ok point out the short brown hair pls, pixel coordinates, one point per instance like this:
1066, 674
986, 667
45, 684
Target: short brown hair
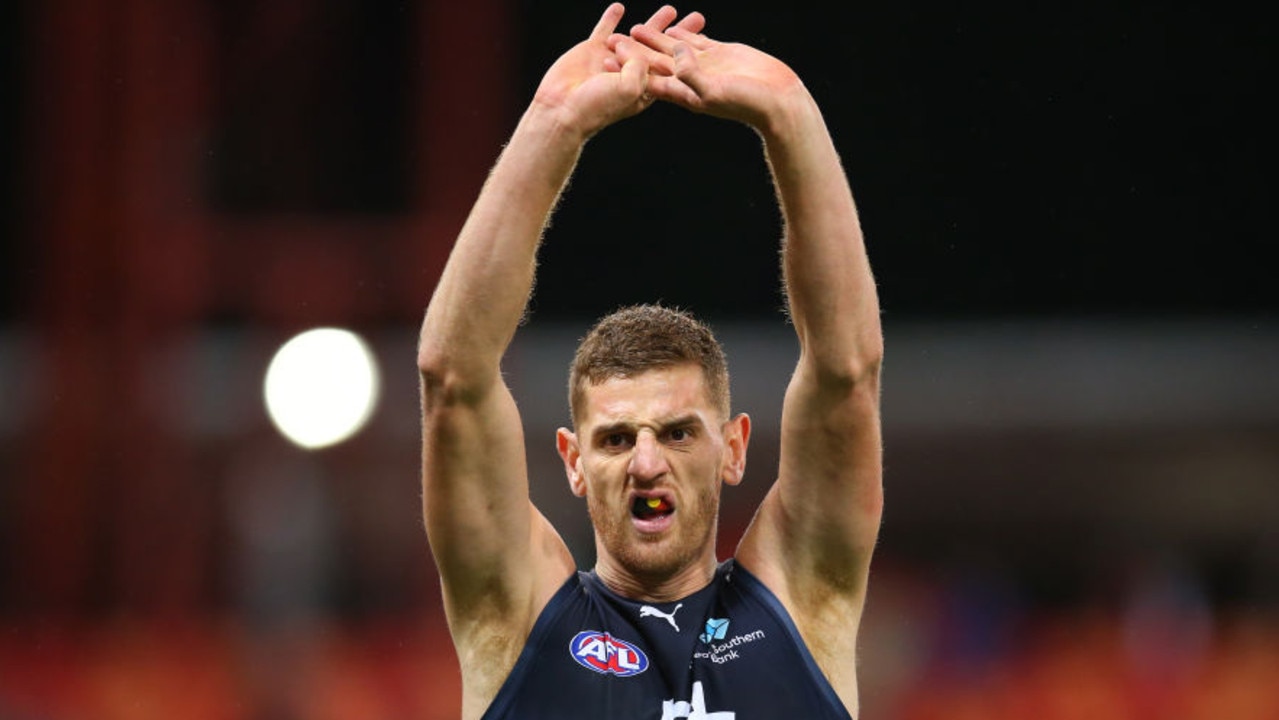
638, 338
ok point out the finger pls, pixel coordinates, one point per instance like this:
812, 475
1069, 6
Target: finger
608, 21
662, 18
631, 54
673, 90
687, 70
693, 22
695, 40
658, 61
634, 71
661, 42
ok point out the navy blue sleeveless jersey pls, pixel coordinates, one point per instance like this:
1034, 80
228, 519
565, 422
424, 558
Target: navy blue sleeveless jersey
727, 652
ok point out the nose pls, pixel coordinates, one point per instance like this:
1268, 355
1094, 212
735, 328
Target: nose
648, 462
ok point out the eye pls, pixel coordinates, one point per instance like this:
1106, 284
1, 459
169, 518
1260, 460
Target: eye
679, 435
615, 441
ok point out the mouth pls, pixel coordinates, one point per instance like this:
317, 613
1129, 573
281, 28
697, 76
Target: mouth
652, 513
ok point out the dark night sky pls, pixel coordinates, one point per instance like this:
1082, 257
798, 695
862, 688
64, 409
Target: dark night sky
1090, 158
1096, 159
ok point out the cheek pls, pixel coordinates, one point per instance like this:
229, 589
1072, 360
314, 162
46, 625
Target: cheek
708, 464
709, 496
596, 477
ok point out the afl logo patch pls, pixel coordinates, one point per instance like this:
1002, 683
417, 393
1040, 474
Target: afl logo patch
607, 655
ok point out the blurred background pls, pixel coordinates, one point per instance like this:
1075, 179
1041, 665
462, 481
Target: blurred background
1067, 207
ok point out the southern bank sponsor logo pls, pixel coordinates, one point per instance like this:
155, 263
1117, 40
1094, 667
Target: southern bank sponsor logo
607, 655
716, 629
719, 647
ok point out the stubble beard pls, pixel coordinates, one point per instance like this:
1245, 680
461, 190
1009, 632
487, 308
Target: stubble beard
657, 558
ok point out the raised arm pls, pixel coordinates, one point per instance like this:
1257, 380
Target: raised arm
498, 557
812, 539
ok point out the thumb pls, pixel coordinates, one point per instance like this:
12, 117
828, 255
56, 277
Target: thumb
686, 68
635, 72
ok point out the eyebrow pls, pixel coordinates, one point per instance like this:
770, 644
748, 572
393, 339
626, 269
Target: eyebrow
662, 426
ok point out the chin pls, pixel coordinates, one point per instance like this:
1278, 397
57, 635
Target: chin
657, 556
651, 556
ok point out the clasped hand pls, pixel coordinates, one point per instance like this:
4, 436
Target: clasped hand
611, 76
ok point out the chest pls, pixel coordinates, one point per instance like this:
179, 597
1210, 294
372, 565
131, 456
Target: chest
717, 655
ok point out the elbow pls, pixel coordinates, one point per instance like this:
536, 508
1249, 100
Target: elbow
445, 380
432, 361
865, 366
434, 376
851, 370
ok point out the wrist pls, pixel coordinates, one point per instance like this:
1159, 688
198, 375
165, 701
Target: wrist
552, 120
794, 114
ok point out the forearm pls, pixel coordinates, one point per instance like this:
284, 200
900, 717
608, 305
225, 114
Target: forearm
831, 293
486, 282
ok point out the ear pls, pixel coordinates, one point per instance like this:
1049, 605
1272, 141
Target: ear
737, 435
571, 454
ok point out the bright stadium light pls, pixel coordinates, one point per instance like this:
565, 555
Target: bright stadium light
321, 387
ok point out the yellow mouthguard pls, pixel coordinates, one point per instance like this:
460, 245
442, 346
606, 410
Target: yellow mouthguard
653, 502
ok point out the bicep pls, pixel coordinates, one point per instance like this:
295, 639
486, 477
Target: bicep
832, 453
827, 502
488, 540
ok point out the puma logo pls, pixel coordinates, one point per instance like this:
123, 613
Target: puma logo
650, 611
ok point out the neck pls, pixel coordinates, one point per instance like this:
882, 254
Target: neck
657, 587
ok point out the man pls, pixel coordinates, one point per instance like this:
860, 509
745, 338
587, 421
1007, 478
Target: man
658, 629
